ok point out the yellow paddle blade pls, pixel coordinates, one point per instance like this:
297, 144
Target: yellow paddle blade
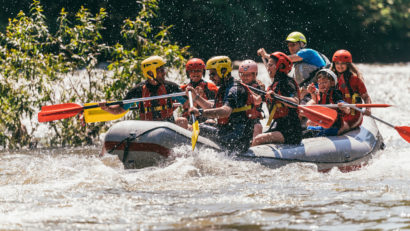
99, 115
195, 134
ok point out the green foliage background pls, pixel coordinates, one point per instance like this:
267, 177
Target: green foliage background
38, 67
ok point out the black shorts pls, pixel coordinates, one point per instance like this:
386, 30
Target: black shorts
255, 121
292, 134
235, 138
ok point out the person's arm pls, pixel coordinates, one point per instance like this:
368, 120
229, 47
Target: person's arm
270, 94
338, 98
289, 93
291, 99
295, 58
361, 88
213, 113
366, 98
203, 103
135, 92
261, 52
312, 90
113, 109
345, 110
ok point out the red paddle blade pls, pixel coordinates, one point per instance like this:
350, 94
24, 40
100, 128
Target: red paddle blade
374, 105
58, 112
323, 116
404, 132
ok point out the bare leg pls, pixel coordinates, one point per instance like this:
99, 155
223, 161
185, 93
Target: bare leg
344, 128
257, 129
269, 138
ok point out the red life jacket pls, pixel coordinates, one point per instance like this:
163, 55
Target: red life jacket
328, 99
279, 109
165, 105
256, 111
207, 88
248, 106
348, 95
325, 98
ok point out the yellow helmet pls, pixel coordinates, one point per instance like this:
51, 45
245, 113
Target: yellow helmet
218, 63
296, 37
151, 64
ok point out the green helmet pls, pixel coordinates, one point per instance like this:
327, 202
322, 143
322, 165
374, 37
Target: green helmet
296, 37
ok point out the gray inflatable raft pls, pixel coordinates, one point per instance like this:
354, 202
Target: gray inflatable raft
141, 144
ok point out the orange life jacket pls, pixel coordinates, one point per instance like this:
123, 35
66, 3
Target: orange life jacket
256, 111
248, 106
348, 95
207, 87
165, 105
325, 98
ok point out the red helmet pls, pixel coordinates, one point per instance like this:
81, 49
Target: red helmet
342, 56
282, 59
195, 64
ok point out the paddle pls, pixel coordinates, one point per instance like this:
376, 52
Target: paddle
67, 110
404, 131
195, 124
380, 105
323, 116
97, 114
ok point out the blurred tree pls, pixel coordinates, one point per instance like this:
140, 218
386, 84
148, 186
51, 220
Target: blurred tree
374, 30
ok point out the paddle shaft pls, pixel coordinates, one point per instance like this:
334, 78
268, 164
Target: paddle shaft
355, 105
128, 101
191, 104
274, 96
374, 117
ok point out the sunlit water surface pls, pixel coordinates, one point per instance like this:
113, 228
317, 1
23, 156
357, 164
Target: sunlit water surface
74, 189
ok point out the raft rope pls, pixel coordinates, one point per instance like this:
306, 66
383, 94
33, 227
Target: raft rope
128, 139
133, 136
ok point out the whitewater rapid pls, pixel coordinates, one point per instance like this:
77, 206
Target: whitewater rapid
74, 189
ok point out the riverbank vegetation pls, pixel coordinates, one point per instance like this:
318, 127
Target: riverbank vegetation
39, 67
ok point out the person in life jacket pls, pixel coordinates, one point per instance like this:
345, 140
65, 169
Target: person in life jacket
195, 70
153, 70
248, 70
288, 129
327, 94
234, 128
306, 62
351, 84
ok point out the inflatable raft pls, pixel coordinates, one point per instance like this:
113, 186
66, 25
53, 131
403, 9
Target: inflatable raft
141, 144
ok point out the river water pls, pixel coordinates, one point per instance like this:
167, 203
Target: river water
74, 189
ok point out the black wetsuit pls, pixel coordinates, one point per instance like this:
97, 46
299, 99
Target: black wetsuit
236, 134
288, 125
